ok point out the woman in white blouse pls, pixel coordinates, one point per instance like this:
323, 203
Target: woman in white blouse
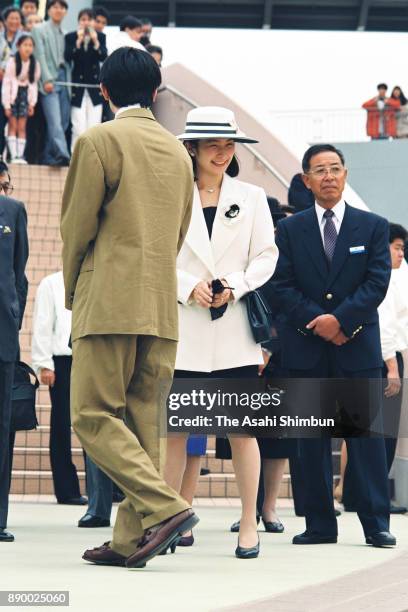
230, 238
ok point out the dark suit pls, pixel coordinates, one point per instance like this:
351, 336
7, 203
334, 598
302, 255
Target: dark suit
13, 295
85, 67
304, 286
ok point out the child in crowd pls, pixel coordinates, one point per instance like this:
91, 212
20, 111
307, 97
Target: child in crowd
19, 95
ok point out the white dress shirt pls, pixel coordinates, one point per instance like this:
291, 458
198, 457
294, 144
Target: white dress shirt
122, 109
393, 313
51, 323
338, 210
122, 39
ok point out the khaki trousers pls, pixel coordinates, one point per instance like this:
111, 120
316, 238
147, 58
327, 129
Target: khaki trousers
117, 377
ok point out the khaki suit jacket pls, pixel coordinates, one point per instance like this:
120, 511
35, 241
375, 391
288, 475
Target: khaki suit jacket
126, 209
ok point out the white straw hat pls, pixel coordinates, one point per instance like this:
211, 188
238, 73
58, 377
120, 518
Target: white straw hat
212, 122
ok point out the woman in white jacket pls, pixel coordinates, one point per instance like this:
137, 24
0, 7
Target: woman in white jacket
231, 238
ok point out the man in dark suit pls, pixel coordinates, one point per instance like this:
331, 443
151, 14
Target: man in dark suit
13, 295
85, 49
333, 272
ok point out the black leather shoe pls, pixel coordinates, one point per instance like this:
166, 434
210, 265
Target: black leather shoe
398, 509
74, 501
381, 539
247, 553
273, 526
313, 538
93, 521
235, 526
6, 536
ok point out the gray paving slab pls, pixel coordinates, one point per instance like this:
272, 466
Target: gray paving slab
47, 556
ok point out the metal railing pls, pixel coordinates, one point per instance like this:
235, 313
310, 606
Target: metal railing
320, 125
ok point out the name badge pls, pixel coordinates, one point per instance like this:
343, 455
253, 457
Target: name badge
357, 249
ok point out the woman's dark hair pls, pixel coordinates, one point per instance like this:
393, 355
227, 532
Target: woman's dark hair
17, 57
315, 150
130, 23
401, 97
51, 3
397, 232
100, 10
131, 76
86, 11
11, 9
145, 21
232, 170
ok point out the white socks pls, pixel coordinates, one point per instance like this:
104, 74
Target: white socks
16, 147
21, 144
12, 145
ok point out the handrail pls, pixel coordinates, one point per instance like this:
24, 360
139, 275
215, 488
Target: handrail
254, 152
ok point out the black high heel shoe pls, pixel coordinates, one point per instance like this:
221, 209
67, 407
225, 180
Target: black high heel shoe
247, 553
235, 526
273, 526
186, 540
172, 548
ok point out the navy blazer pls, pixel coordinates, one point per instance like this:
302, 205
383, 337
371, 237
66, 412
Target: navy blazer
351, 288
85, 67
13, 282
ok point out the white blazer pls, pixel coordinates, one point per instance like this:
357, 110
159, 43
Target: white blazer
243, 251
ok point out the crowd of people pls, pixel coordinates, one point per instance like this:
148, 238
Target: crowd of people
387, 116
175, 260
49, 79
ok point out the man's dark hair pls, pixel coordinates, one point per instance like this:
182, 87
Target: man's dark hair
131, 76
51, 3
130, 23
145, 21
11, 9
4, 168
100, 10
86, 11
23, 2
315, 150
397, 232
382, 86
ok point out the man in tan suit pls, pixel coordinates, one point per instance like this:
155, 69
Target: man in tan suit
125, 212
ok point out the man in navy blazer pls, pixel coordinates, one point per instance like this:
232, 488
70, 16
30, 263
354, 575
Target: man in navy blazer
13, 295
333, 272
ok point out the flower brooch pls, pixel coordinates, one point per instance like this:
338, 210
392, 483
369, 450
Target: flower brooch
231, 212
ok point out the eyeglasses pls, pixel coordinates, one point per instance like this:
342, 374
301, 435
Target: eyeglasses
333, 170
7, 188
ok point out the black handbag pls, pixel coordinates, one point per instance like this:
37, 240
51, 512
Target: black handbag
23, 415
260, 316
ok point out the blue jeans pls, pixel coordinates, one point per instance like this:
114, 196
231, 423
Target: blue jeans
99, 490
57, 110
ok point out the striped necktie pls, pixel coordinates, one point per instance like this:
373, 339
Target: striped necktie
329, 235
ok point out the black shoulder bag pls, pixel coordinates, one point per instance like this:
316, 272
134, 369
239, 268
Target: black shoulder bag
23, 415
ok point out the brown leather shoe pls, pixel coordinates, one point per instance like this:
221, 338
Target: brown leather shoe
104, 555
162, 536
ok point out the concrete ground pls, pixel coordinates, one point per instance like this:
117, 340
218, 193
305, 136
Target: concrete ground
46, 555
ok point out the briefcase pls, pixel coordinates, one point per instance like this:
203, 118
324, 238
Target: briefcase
23, 415
260, 316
